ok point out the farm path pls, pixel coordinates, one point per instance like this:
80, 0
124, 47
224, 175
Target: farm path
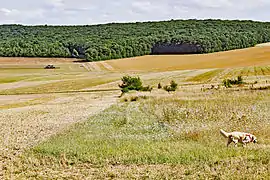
22, 128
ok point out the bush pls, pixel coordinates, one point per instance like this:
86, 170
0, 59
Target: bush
133, 83
229, 82
159, 86
130, 83
171, 87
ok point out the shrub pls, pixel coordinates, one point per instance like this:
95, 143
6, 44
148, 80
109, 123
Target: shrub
159, 86
239, 80
133, 83
171, 87
229, 82
130, 83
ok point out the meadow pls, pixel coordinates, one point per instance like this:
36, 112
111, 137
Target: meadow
159, 137
70, 123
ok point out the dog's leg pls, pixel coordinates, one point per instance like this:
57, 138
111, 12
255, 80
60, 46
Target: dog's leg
229, 142
235, 142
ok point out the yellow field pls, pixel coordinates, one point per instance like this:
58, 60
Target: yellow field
71, 123
256, 56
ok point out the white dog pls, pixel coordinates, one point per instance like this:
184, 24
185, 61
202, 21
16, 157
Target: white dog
240, 137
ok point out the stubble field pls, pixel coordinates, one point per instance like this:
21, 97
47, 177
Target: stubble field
70, 123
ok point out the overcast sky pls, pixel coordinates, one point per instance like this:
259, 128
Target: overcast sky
102, 11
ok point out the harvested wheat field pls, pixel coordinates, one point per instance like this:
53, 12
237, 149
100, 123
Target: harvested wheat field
29, 61
236, 58
70, 123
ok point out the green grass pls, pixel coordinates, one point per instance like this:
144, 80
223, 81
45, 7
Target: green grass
166, 132
249, 71
205, 77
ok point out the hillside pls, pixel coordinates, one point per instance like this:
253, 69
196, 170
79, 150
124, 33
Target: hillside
114, 41
255, 56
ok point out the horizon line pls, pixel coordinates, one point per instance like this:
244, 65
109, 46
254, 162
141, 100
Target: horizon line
132, 22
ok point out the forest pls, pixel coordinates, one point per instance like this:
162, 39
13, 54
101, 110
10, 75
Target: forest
122, 40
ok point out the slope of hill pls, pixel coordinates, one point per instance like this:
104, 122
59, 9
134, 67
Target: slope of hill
114, 41
256, 56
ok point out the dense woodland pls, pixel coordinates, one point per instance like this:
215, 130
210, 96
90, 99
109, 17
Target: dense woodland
112, 41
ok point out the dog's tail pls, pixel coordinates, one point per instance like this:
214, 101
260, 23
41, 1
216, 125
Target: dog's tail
224, 133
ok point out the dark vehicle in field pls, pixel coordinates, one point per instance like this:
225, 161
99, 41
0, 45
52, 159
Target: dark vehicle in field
50, 66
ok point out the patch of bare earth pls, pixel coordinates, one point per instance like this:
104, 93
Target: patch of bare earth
22, 128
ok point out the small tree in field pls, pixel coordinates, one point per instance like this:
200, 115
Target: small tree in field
130, 83
171, 87
133, 83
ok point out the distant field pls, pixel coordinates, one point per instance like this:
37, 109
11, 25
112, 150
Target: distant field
257, 56
25, 60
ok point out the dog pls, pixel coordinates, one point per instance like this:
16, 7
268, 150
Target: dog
238, 137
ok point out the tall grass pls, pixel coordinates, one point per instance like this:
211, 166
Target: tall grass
167, 132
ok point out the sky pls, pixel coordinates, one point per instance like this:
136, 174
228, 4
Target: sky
79, 12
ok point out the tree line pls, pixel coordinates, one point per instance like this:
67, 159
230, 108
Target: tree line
122, 40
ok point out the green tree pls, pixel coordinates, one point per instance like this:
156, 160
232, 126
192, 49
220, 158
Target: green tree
130, 83
172, 87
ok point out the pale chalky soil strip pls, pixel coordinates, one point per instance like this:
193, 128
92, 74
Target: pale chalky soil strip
21, 128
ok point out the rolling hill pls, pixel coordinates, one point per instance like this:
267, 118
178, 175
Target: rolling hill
256, 56
118, 40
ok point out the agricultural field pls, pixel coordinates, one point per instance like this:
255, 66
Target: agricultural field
71, 123
256, 56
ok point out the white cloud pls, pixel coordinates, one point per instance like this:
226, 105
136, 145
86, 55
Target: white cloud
102, 11
9, 12
56, 3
